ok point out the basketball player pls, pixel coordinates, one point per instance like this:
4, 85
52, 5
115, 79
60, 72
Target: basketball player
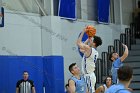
103, 88
77, 82
89, 58
117, 62
25, 85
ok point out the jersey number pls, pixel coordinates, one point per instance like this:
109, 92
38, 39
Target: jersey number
95, 58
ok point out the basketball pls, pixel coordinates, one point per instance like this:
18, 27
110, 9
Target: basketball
90, 31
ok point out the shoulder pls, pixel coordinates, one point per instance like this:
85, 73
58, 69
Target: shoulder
75, 79
20, 81
94, 50
124, 91
72, 79
101, 87
118, 60
110, 89
117, 89
71, 82
31, 81
104, 85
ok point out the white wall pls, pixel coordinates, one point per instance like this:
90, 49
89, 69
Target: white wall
123, 11
51, 31
127, 9
29, 6
117, 11
21, 34
88, 10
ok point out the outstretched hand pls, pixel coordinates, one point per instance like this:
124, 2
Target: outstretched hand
124, 45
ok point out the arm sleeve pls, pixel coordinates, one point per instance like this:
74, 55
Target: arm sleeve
32, 83
17, 85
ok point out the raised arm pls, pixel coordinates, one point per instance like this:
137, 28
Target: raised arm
86, 42
125, 54
83, 47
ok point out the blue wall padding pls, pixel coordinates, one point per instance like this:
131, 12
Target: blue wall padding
54, 74
11, 70
67, 8
103, 11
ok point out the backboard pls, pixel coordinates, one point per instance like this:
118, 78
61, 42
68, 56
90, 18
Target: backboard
1, 17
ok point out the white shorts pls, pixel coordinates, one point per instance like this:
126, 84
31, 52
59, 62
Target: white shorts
90, 80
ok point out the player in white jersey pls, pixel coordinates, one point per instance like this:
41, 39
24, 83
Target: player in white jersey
89, 58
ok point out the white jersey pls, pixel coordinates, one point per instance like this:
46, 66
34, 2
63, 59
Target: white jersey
105, 87
88, 63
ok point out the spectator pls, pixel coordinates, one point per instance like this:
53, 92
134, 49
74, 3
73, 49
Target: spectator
103, 88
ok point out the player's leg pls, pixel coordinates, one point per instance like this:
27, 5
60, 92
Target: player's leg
93, 81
